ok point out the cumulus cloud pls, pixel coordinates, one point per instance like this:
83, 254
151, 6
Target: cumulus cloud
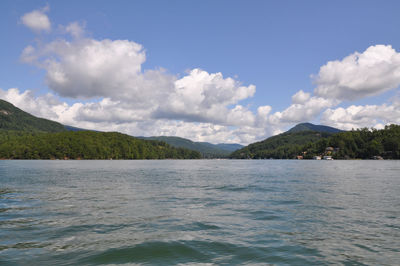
88, 68
359, 75
37, 20
47, 106
122, 96
107, 115
300, 97
301, 110
202, 96
131, 97
362, 116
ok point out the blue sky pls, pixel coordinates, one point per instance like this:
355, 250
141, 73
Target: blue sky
274, 45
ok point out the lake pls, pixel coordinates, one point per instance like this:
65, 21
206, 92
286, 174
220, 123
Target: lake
202, 212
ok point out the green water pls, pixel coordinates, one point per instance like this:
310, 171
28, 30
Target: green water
200, 212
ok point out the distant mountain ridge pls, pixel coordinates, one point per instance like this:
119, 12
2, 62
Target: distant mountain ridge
208, 150
311, 127
229, 146
286, 145
71, 128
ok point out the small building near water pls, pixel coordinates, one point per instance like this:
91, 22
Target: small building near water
328, 157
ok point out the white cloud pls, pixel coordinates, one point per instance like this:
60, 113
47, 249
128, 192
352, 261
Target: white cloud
121, 96
208, 89
37, 20
359, 75
300, 97
240, 116
262, 116
107, 115
75, 29
202, 106
204, 97
90, 68
29, 54
110, 111
87, 68
301, 112
362, 116
41, 106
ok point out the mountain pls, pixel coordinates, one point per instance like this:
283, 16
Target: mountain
228, 147
13, 118
24, 136
208, 150
286, 145
312, 127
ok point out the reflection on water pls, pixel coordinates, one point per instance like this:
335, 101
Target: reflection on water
217, 212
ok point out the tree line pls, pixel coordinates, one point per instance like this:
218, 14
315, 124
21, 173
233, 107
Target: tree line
359, 144
85, 145
283, 146
355, 144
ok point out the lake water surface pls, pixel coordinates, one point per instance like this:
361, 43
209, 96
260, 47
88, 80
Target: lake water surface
206, 212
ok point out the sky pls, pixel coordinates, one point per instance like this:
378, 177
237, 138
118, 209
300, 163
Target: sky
216, 71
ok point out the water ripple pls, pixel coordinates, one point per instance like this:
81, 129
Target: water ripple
199, 212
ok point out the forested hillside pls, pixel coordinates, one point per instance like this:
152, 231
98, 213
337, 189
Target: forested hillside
359, 144
85, 145
24, 136
283, 146
13, 118
356, 144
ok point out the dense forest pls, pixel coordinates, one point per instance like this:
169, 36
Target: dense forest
85, 145
356, 144
359, 144
24, 136
283, 146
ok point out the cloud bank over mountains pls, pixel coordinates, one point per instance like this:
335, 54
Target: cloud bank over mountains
112, 92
